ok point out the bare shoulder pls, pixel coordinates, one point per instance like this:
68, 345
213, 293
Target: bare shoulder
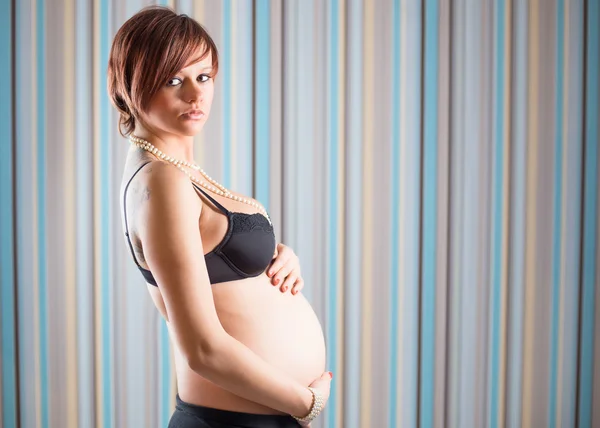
160, 173
165, 187
150, 183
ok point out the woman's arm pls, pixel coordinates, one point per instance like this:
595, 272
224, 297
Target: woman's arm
233, 366
173, 251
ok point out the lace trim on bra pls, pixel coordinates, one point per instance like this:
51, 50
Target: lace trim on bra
243, 222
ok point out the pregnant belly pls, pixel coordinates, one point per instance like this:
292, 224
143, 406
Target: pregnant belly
281, 328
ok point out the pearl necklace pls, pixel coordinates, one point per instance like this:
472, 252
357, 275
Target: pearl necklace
219, 189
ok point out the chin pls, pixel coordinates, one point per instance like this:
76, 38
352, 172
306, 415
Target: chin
190, 131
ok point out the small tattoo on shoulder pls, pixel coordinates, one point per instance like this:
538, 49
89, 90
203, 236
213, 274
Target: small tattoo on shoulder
146, 193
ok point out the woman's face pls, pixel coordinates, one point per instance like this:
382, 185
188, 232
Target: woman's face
191, 88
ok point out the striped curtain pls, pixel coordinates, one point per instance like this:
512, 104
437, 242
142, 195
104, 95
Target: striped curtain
434, 164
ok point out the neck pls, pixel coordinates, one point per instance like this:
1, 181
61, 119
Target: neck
178, 147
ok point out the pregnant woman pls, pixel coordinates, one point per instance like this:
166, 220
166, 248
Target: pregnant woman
248, 353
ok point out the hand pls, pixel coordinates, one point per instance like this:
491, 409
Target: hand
285, 267
323, 385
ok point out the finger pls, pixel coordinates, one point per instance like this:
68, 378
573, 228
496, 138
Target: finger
280, 261
288, 283
283, 273
298, 285
285, 270
279, 248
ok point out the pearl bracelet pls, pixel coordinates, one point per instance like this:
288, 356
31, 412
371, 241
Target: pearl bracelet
317, 407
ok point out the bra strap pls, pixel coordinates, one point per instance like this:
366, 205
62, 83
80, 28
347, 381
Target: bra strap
221, 207
125, 213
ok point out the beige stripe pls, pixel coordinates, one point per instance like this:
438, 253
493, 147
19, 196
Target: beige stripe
504, 277
69, 220
564, 236
275, 102
442, 218
35, 218
403, 162
341, 81
367, 268
232, 105
531, 214
97, 218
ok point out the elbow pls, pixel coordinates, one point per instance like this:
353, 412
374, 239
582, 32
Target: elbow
207, 353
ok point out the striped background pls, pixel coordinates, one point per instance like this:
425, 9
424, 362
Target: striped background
433, 163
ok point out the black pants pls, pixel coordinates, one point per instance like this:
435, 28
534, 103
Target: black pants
188, 415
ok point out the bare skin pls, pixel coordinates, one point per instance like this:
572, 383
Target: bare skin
280, 329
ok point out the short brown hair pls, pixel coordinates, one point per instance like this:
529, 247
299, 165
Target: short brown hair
158, 40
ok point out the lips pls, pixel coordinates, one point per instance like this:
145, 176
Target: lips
193, 114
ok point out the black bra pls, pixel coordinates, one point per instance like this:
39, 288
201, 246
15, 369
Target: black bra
246, 250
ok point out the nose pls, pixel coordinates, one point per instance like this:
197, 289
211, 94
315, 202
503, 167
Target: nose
194, 93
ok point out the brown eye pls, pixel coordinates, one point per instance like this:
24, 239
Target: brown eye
170, 80
177, 78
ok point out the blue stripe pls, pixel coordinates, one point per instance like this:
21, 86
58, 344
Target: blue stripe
7, 274
262, 107
517, 233
165, 363
24, 183
332, 78
409, 352
84, 224
590, 218
497, 221
41, 201
225, 65
429, 215
395, 217
244, 132
575, 196
353, 238
105, 211
557, 204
